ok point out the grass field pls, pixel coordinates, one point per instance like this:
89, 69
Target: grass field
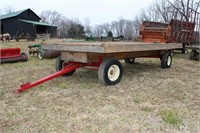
148, 98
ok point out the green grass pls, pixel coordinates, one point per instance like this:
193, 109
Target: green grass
2, 93
146, 109
63, 85
136, 100
171, 117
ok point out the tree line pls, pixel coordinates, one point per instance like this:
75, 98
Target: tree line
159, 11
66, 27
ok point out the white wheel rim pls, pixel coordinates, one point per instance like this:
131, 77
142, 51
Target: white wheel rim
131, 60
40, 56
169, 60
113, 72
64, 64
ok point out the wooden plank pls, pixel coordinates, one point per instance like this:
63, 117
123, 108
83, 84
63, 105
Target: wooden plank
75, 48
194, 47
142, 47
110, 47
94, 57
80, 57
132, 54
71, 43
76, 57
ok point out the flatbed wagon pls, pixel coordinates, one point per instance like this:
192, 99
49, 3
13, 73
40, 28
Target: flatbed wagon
104, 57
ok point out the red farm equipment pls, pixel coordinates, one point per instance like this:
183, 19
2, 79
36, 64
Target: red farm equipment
175, 31
153, 32
11, 55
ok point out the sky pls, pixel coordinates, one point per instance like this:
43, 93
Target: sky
98, 11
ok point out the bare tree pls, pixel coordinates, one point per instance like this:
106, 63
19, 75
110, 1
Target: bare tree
8, 9
186, 8
55, 18
165, 10
51, 17
76, 20
66, 27
149, 14
115, 28
98, 30
121, 25
118, 27
105, 27
136, 23
87, 25
159, 11
63, 28
129, 29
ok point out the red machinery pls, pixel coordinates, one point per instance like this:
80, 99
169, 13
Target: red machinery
69, 69
10, 55
174, 32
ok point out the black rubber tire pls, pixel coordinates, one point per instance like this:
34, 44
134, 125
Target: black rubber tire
59, 66
41, 54
129, 60
166, 60
24, 55
192, 55
103, 72
184, 49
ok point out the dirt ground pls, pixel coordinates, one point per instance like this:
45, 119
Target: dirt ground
141, 102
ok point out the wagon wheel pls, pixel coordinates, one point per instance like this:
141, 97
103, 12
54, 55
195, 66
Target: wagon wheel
129, 60
110, 72
60, 64
184, 49
24, 55
192, 55
166, 60
41, 54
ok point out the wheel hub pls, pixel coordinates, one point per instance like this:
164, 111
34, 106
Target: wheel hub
131, 60
113, 72
64, 64
168, 61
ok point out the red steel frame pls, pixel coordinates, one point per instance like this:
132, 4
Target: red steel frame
70, 67
9, 53
67, 69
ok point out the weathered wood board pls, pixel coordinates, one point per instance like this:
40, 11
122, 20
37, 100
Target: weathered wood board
194, 47
108, 47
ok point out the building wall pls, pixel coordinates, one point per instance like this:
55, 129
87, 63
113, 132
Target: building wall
28, 15
15, 27
51, 30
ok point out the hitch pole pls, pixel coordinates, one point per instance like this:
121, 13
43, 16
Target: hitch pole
66, 69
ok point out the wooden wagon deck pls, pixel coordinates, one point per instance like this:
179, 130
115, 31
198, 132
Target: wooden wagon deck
108, 47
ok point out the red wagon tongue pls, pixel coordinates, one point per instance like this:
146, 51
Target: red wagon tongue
69, 68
